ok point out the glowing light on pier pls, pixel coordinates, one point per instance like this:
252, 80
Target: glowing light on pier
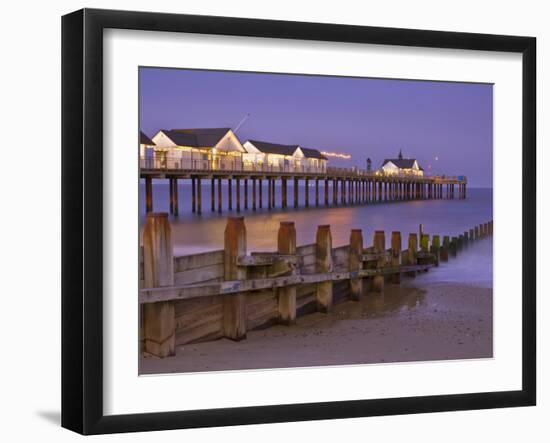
336, 155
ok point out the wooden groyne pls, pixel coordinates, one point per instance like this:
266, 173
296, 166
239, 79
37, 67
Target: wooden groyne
251, 189
226, 293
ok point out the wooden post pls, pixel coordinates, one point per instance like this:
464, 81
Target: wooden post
355, 263
148, 194
412, 252
445, 249
234, 305
220, 198
436, 245
323, 263
453, 246
286, 245
425, 243
159, 319
396, 255
420, 232
379, 244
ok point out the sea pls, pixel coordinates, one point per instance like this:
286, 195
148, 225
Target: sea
194, 233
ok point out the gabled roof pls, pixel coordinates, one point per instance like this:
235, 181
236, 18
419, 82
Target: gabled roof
312, 153
196, 138
144, 140
274, 148
402, 163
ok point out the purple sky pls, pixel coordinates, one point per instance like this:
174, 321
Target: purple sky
360, 116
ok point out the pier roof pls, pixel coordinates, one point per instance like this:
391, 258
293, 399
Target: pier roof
196, 137
274, 148
312, 153
145, 140
403, 163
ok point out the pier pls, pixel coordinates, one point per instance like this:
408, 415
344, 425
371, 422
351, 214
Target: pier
225, 293
252, 187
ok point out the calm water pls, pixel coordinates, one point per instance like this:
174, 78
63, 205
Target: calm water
198, 233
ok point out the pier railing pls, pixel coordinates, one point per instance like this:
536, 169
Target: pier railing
235, 164
225, 293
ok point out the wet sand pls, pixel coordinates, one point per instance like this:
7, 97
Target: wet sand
442, 322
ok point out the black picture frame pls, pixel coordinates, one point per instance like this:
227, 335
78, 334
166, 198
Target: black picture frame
82, 218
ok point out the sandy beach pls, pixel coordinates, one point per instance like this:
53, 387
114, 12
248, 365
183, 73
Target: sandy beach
406, 323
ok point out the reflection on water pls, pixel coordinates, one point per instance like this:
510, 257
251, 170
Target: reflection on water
193, 233
395, 299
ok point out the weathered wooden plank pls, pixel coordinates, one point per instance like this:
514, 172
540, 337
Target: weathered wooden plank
184, 307
306, 249
206, 273
152, 295
187, 262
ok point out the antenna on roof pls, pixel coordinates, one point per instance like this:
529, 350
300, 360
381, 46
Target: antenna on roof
241, 122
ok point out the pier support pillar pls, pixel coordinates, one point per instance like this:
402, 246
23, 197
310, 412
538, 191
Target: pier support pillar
283, 193
286, 245
229, 195
326, 191
213, 194
335, 192
323, 264
379, 244
148, 194
307, 192
220, 198
193, 195
253, 194
260, 194
245, 193
234, 305
269, 196
238, 193
396, 255
355, 263
199, 196
159, 319
316, 192
171, 192
295, 189
176, 198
